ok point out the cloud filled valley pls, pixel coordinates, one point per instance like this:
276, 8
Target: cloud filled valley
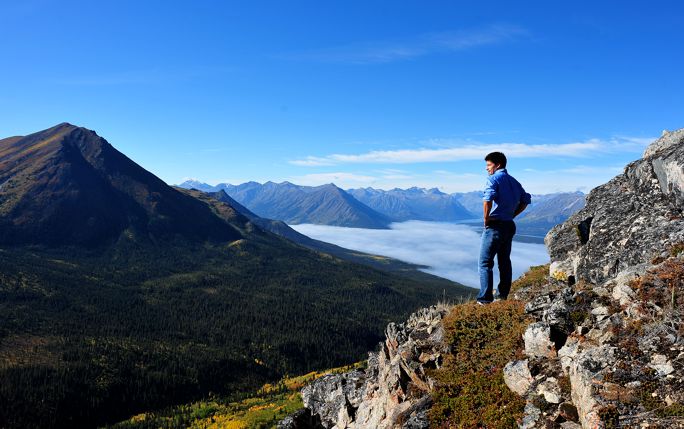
449, 250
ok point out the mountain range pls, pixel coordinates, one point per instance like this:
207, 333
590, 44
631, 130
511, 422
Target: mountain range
294, 204
413, 204
359, 207
119, 293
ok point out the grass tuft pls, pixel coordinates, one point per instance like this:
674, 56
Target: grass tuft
470, 391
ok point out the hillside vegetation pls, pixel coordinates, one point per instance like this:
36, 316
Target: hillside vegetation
120, 294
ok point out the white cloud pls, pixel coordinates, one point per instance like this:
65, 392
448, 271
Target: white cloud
426, 44
580, 178
569, 179
311, 161
389, 179
476, 151
450, 250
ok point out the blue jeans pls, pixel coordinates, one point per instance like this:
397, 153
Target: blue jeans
496, 240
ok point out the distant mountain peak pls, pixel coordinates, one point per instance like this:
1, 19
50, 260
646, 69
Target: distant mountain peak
330, 186
192, 181
62, 126
435, 191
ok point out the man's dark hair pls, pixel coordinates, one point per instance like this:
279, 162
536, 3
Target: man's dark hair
497, 158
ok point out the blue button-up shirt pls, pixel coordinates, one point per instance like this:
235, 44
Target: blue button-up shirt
506, 193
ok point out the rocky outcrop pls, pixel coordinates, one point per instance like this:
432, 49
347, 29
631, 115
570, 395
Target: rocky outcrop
607, 345
626, 222
392, 391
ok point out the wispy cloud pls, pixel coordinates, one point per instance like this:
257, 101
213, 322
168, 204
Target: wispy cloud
375, 52
579, 169
394, 174
388, 179
449, 250
578, 178
475, 151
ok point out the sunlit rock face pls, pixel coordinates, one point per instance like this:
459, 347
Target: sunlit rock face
609, 323
628, 221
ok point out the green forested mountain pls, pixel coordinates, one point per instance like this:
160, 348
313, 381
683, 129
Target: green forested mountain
120, 294
67, 185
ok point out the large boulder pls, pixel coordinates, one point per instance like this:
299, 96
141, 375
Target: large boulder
628, 221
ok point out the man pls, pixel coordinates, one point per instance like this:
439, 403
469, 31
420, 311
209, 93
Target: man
504, 199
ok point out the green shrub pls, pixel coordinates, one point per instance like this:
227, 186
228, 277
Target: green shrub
470, 391
536, 276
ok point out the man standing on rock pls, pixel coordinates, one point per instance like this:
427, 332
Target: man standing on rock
508, 199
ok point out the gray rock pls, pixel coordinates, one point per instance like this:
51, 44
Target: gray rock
300, 419
550, 390
530, 417
334, 397
557, 314
568, 353
627, 221
600, 313
393, 390
668, 139
517, 376
585, 368
623, 294
538, 342
538, 304
626, 229
661, 364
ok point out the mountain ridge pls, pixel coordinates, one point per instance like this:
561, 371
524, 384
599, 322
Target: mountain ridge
325, 204
398, 205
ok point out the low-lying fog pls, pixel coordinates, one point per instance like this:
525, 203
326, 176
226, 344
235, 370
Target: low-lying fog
450, 250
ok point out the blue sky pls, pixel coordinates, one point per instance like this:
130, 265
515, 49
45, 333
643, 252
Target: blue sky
368, 93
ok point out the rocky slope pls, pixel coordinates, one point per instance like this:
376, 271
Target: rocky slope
609, 321
393, 391
606, 344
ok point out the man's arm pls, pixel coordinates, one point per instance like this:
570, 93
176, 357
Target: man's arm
519, 209
525, 199
489, 195
487, 207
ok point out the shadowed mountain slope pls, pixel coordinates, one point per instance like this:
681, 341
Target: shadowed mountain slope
67, 185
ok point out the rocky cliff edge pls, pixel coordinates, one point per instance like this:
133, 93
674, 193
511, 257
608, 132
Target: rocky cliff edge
605, 347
